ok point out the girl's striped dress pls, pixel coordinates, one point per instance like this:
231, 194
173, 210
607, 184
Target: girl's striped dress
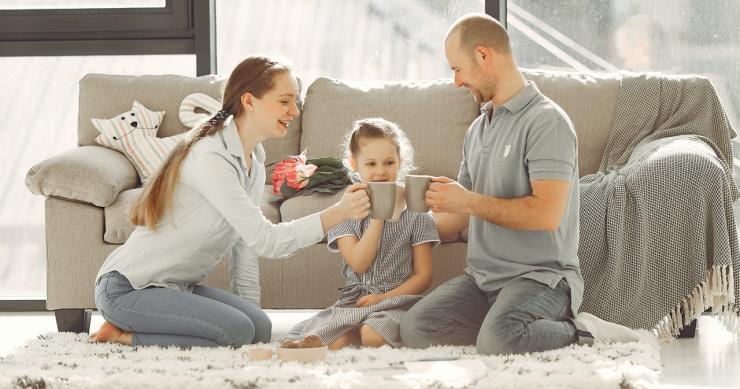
392, 266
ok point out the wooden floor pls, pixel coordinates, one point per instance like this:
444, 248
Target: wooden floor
711, 359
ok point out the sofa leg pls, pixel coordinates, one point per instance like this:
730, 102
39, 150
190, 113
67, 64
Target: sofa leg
73, 320
688, 331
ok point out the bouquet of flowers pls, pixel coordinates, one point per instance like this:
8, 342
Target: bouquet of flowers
300, 176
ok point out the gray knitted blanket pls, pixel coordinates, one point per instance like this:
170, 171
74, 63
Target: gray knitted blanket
658, 239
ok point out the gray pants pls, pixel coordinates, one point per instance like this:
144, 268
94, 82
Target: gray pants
523, 316
167, 317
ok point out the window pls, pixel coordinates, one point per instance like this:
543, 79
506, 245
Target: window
107, 29
676, 37
364, 40
38, 120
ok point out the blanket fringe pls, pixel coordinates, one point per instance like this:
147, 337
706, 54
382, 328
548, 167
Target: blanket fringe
716, 292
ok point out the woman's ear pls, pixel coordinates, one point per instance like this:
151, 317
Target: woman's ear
246, 100
353, 164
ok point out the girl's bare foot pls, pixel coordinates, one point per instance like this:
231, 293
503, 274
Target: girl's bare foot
111, 334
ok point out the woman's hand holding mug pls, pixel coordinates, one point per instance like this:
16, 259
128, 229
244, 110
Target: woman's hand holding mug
355, 203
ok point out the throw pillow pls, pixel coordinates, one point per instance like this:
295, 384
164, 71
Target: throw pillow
196, 108
90, 174
134, 133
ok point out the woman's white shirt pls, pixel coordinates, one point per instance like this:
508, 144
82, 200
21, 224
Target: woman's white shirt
215, 211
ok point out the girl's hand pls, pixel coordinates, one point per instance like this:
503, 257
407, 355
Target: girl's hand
355, 203
369, 300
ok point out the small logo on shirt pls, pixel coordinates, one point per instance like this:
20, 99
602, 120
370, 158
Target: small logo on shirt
507, 150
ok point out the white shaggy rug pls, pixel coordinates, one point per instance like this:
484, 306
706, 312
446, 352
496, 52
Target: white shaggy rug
65, 360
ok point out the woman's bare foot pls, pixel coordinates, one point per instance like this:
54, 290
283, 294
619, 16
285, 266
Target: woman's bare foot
109, 333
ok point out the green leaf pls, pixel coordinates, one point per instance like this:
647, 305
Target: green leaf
286, 190
323, 173
319, 181
326, 161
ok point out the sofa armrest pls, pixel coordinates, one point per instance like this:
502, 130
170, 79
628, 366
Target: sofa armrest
91, 174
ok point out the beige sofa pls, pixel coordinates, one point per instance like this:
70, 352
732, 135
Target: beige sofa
90, 187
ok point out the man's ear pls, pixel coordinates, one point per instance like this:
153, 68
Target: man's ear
483, 55
246, 100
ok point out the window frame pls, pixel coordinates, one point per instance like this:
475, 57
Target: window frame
497, 9
180, 27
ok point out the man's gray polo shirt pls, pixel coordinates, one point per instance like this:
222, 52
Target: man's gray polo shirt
528, 138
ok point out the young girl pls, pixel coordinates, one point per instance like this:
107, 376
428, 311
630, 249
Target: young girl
202, 203
387, 263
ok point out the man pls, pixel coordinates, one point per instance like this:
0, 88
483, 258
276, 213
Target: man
518, 191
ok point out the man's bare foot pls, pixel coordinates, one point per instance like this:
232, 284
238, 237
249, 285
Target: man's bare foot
109, 333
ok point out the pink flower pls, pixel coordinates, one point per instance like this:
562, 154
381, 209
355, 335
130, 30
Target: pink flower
291, 178
276, 185
278, 175
293, 171
303, 172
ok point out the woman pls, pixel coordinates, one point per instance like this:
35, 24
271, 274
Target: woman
200, 205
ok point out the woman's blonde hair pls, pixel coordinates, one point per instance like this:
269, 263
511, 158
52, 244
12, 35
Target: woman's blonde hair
255, 75
379, 128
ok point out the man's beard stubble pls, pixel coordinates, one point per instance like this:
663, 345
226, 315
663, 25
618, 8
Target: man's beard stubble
483, 94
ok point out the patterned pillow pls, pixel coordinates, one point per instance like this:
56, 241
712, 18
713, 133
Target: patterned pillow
134, 133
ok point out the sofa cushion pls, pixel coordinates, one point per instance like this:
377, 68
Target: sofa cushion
300, 206
117, 225
590, 101
433, 114
118, 228
91, 174
157, 92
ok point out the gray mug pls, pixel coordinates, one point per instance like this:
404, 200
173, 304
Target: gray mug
416, 188
382, 199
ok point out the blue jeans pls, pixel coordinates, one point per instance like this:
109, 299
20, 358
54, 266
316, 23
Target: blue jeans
168, 317
523, 316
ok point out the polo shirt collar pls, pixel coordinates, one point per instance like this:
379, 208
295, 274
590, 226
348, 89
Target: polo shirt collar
518, 101
234, 143
521, 99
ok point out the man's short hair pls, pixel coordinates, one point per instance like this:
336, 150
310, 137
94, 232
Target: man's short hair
480, 29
